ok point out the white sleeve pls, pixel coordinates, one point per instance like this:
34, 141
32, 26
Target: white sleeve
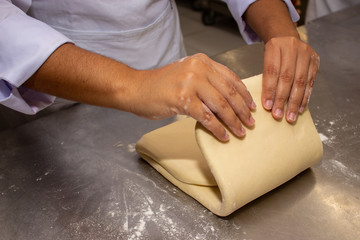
238, 8
25, 44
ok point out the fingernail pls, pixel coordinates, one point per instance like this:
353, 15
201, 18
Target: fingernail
252, 120
292, 117
240, 132
243, 132
226, 137
253, 105
268, 104
278, 113
301, 110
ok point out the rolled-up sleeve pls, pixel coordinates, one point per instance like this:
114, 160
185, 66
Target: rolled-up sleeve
25, 44
238, 8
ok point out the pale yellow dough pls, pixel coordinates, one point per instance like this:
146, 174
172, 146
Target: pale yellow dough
225, 176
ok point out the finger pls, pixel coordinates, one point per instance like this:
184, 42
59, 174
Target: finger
298, 88
236, 83
233, 98
271, 70
286, 78
227, 84
313, 69
222, 72
202, 114
222, 109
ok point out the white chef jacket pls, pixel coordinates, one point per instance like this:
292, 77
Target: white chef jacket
143, 34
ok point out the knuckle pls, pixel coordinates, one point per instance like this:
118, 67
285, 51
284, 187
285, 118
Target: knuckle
199, 59
232, 92
207, 120
223, 104
271, 70
281, 99
235, 120
189, 76
305, 101
311, 80
294, 105
268, 92
201, 55
232, 121
195, 62
294, 101
233, 78
244, 114
286, 77
301, 81
293, 108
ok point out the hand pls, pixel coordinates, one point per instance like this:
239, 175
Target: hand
199, 87
196, 86
290, 68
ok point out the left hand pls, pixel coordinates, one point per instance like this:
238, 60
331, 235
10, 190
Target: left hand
290, 68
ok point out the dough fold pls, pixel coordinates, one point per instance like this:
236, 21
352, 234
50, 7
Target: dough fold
225, 176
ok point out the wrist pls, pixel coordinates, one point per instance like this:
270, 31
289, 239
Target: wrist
270, 19
281, 34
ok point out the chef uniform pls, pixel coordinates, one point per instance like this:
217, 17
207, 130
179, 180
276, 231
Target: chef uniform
143, 34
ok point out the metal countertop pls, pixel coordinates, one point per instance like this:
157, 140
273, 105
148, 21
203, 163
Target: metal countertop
75, 174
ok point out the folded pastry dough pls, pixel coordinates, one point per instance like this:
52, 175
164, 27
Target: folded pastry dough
225, 176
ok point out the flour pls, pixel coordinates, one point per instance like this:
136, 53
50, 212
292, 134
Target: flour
186, 105
139, 209
333, 132
150, 214
182, 59
150, 201
148, 211
179, 117
118, 145
323, 137
131, 147
330, 129
344, 169
45, 174
13, 188
337, 168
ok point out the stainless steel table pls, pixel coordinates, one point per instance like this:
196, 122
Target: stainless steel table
75, 174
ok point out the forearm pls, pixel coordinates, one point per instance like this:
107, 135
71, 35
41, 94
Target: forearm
196, 86
270, 18
79, 75
290, 65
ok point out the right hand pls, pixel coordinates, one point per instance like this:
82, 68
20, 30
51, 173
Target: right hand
199, 87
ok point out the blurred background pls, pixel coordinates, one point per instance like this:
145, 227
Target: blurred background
203, 22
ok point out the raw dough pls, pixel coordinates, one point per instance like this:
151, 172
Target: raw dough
225, 176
